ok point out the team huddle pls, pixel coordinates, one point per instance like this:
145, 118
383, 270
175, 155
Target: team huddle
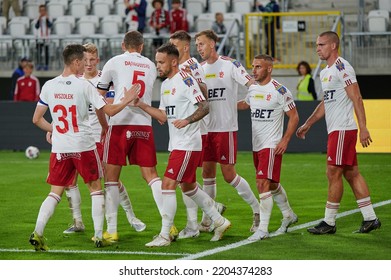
102, 120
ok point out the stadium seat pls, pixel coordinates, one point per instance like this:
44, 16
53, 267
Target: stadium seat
378, 21
55, 9
79, 8
242, 6
385, 5
100, 8
195, 8
88, 25
120, 9
111, 25
218, 6
18, 26
64, 25
204, 21
31, 8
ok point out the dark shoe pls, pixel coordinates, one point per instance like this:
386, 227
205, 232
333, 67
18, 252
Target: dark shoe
368, 226
322, 228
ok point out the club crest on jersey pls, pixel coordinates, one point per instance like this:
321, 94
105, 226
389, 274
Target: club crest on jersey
268, 97
193, 66
221, 74
173, 91
237, 63
340, 66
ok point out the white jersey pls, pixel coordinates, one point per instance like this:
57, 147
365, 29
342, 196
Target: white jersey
268, 104
93, 118
222, 79
338, 106
123, 71
198, 74
68, 99
179, 96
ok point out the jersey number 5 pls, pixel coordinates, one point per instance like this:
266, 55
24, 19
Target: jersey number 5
136, 80
62, 118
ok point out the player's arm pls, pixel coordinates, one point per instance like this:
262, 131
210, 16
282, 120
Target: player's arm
293, 121
202, 111
315, 116
39, 120
129, 96
353, 91
155, 113
242, 105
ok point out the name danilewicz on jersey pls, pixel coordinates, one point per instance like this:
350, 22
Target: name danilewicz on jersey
262, 115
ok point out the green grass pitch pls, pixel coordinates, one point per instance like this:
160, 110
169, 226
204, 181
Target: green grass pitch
23, 188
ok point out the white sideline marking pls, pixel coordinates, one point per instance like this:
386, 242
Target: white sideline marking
245, 242
97, 252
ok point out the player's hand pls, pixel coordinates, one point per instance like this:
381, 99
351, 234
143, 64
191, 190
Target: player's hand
302, 130
132, 93
281, 147
180, 123
365, 138
49, 137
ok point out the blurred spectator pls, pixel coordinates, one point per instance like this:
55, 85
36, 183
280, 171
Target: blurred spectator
136, 11
271, 23
159, 21
18, 72
27, 87
178, 17
219, 28
306, 86
7, 4
43, 27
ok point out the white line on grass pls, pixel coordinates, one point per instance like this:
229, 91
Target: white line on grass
246, 242
188, 256
98, 252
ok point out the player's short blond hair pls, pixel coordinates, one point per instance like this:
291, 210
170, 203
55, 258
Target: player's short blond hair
91, 48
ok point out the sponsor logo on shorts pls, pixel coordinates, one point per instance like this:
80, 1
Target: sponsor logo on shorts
138, 134
65, 156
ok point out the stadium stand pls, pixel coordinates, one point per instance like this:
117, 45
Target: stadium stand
88, 25
56, 9
79, 8
195, 7
222, 6
19, 26
378, 21
100, 8
242, 6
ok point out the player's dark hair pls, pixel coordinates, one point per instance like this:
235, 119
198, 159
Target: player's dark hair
169, 49
72, 52
133, 39
265, 57
181, 36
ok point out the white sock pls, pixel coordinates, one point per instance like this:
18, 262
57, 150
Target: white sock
206, 204
244, 190
366, 208
74, 201
191, 212
125, 203
111, 205
156, 187
330, 213
209, 187
98, 211
281, 199
46, 211
168, 211
265, 207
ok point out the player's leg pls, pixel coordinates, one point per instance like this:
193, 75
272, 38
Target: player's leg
167, 213
74, 201
126, 204
209, 187
281, 199
112, 199
207, 205
361, 192
191, 229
